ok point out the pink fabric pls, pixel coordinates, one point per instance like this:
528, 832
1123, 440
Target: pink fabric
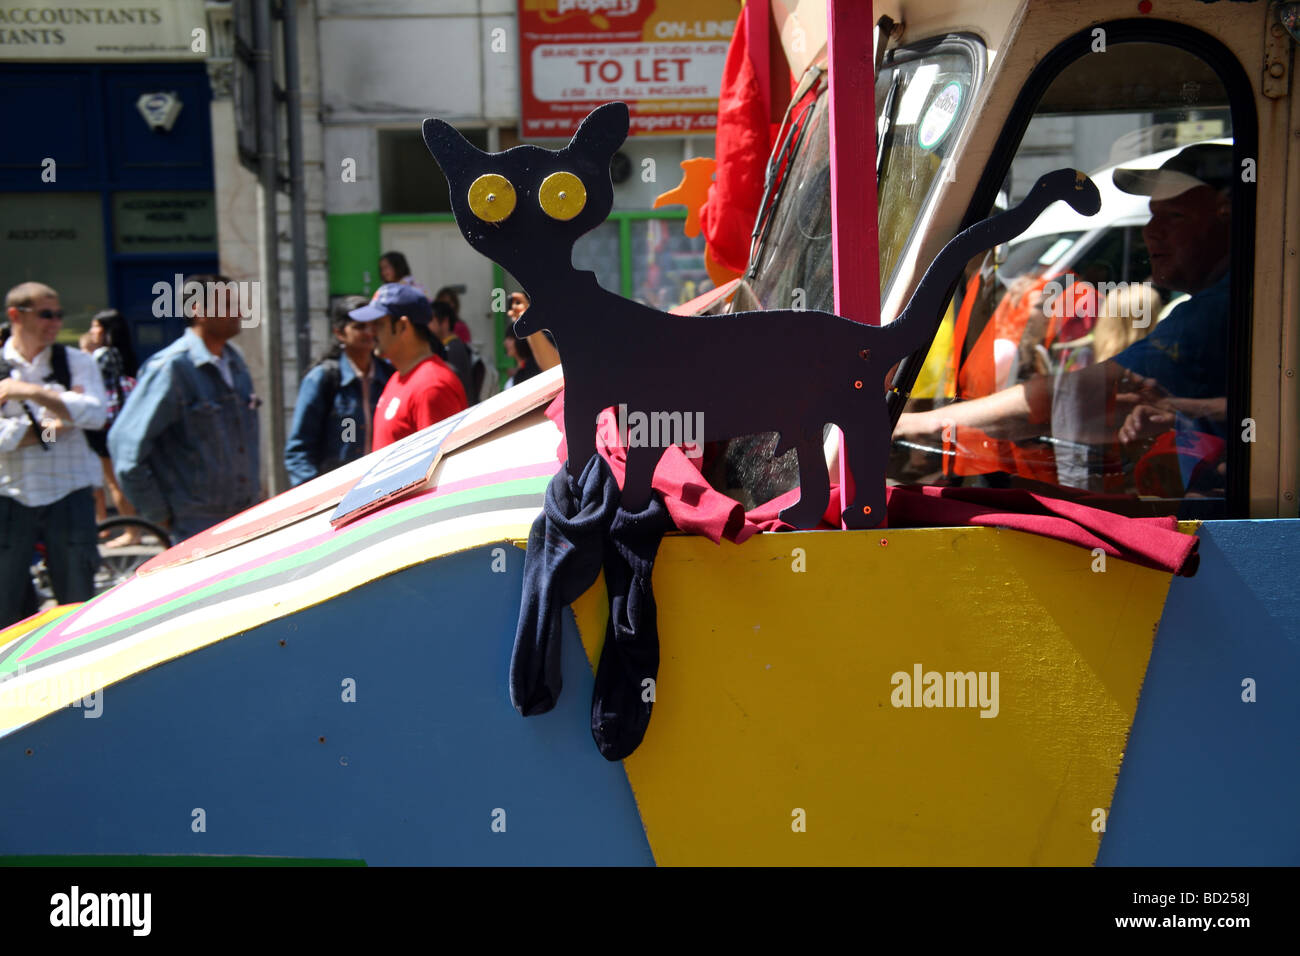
1152, 542
697, 508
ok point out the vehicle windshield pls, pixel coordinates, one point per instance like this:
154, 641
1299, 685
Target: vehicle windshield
922, 102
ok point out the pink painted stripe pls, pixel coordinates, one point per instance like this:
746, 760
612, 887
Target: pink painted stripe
227, 535
65, 629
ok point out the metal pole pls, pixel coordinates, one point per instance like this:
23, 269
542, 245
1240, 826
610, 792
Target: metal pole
297, 189
270, 252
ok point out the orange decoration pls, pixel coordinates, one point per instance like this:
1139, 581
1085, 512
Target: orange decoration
719, 273
691, 192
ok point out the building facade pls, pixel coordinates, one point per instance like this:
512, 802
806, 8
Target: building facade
121, 169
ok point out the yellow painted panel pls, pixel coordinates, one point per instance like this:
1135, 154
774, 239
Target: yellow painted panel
775, 686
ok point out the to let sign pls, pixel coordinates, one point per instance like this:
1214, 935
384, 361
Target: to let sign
664, 58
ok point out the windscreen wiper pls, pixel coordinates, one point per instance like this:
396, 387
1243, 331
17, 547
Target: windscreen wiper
788, 140
885, 126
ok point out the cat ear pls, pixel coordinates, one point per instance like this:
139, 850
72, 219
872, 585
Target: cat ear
452, 151
602, 132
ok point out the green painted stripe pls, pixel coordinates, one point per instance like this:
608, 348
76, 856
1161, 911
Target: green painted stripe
347, 538
416, 217
352, 240
172, 860
634, 214
625, 255
32, 637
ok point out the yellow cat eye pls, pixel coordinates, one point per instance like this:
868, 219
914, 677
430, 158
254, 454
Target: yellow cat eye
562, 195
491, 197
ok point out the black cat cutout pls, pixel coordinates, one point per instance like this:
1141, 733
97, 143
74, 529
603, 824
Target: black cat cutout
733, 374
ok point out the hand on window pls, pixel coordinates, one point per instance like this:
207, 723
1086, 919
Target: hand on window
916, 426
1145, 422
1135, 390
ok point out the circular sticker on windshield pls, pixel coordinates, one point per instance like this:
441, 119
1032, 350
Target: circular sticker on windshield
938, 119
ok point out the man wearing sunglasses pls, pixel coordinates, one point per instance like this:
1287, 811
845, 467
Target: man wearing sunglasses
47, 470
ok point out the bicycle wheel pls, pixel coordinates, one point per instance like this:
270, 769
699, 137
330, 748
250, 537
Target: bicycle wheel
134, 541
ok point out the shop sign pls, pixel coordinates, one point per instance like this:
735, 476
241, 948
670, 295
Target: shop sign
664, 58
103, 30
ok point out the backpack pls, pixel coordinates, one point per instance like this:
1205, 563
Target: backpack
481, 374
5, 371
331, 380
59, 373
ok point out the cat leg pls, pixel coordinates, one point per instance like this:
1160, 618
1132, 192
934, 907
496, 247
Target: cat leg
814, 487
641, 463
579, 432
867, 457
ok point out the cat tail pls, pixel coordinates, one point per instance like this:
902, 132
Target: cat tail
915, 326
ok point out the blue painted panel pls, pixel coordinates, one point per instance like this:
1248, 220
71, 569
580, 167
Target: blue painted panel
180, 158
1208, 779
408, 774
48, 114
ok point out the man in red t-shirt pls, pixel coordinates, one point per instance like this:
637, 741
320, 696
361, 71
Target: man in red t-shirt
424, 389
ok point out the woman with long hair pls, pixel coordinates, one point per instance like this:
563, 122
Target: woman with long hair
393, 267
113, 333
111, 342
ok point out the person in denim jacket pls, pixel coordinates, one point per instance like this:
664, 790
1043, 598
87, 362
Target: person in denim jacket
185, 445
333, 419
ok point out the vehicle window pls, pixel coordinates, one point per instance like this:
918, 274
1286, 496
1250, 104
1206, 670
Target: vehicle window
922, 101
796, 255
1113, 329
1027, 254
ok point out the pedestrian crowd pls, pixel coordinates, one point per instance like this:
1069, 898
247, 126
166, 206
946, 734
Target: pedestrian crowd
175, 440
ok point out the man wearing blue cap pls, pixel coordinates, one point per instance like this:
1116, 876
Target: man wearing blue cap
424, 390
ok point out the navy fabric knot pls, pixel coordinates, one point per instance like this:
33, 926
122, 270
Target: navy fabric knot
563, 559
626, 676
581, 529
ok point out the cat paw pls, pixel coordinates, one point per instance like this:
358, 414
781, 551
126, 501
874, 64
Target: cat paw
861, 517
801, 516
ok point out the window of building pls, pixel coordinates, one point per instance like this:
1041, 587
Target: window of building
58, 239
409, 179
